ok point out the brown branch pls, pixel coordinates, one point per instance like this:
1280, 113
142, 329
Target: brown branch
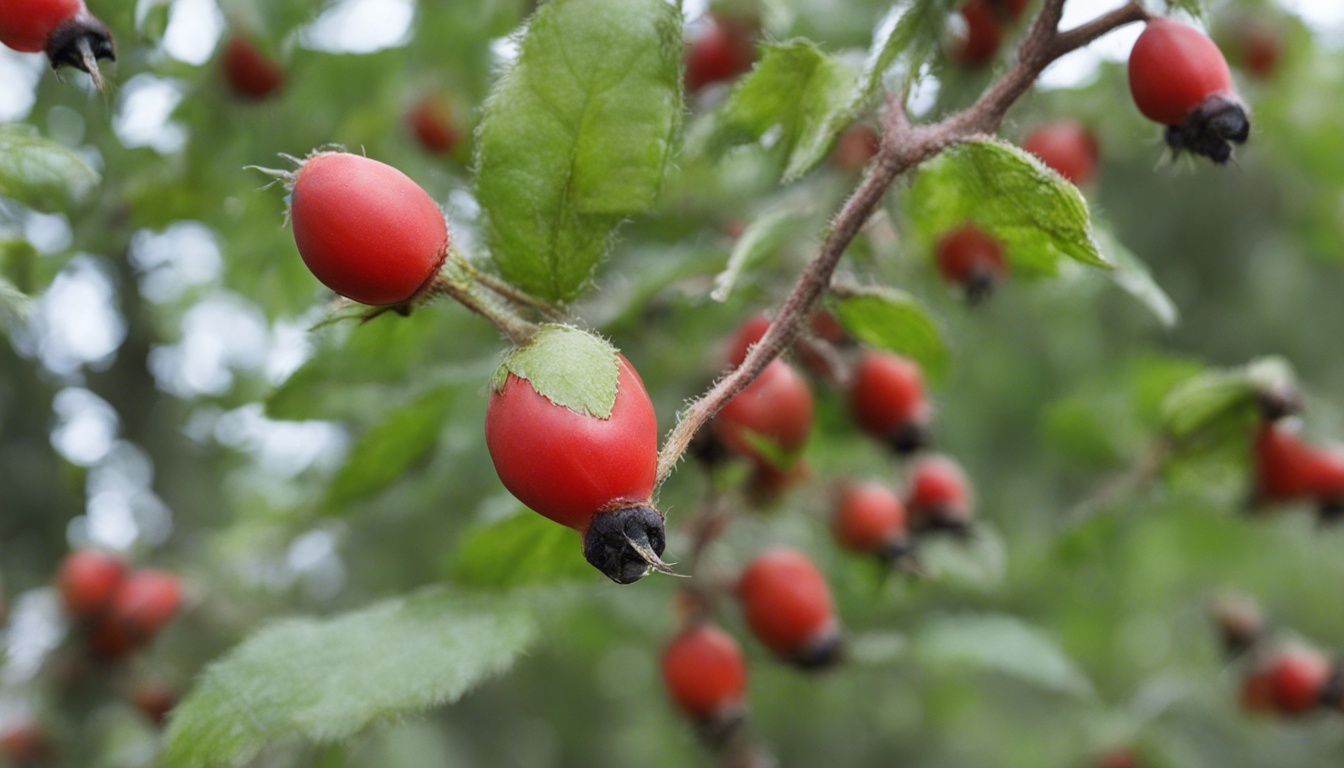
903, 147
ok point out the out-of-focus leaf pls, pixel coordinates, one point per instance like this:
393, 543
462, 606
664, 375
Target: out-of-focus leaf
761, 239
524, 548
13, 306
39, 171
895, 321
909, 34
385, 452
325, 679
577, 135
1001, 644
570, 367
799, 90
1038, 215
1132, 275
1218, 398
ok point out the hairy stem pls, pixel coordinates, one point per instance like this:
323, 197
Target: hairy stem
903, 147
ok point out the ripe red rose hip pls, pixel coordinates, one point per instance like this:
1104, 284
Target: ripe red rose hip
146, 601
1179, 78
1290, 681
744, 338
721, 52
1289, 469
788, 607
870, 519
431, 120
886, 398
595, 475
365, 229
939, 496
705, 674
856, 146
1067, 147
248, 72
979, 43
970, 258
87, 580
63, 29
775, 408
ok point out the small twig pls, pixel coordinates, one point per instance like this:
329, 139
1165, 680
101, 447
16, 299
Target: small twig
903, 147
463, 288
1132, 480
508, 291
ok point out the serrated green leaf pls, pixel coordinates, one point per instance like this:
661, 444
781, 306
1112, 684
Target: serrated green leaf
1132, 275
570, 367
576, 136
762, 238
809, 96
1004, 645
37, 171
892, 320
524, 548
1038, 215
325, 679
908, 35
384, 453
1217, 398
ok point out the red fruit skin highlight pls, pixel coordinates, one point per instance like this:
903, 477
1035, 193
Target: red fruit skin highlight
869, 518
704, 672
365, 229
25, 25
1174, 67
788, 607
569, 466
887, 394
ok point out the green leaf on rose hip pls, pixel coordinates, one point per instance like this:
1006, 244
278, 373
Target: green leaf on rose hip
1040, 217
324, 680
576, 136
1222, 400
892, 320
570, 367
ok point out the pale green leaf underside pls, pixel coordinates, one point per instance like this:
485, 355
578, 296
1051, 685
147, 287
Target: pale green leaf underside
1004, 645
889, 319
1133, 277
576, 135
1223, 396
809, 96
34, 170
762, 238
323, 680
570, 367
1038, 215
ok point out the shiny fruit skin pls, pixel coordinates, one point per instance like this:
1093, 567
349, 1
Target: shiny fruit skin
887, 394
1173, 68
786, 602
777, 407
365, 229
569, 466
25, 25
1067, 147
88, 580
1298, 677
720, 53
432, 123
984, 34
868, 518
250, 73
704, 672
147, 600
969, 257
938, 493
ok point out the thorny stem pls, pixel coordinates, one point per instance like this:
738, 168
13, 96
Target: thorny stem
1134, 479
463, 285
508, 291
903, 147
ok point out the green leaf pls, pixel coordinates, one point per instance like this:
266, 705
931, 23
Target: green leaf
577, 135
570, 367
761, 239
908, 35
1132, 275
38, 171
1222, 399
14, 306
1001, 644
325, 679
523, 548
892, 320
384, 453
1038, 215
796, 87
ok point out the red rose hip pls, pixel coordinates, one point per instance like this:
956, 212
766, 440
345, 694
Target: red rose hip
146, 601
595, 475
431, 120
886, 398
365, 229
1179, 78
968, 257
721, 52
87, 580
939, 496
870, 519
248, 72
775, 408
788, 607
63, 29
704, 673
1067, 147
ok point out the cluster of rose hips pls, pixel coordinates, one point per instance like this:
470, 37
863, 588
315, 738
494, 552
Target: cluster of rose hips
1287, 678
114, 609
